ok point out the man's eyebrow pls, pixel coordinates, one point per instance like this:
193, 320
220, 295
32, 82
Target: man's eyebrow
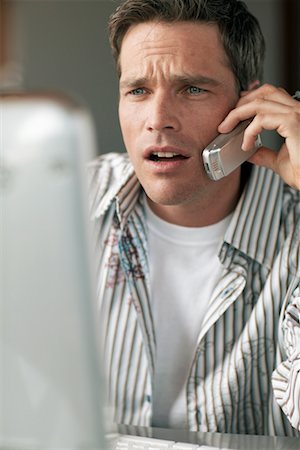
179, 79
196, 79
133, 82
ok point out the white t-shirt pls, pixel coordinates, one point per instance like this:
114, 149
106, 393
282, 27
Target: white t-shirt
184, 269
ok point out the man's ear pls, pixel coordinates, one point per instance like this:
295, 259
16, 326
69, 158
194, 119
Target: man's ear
253, 85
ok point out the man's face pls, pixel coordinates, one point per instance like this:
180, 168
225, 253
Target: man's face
176, 87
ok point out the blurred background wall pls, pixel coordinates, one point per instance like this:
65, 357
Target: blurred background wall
63, 45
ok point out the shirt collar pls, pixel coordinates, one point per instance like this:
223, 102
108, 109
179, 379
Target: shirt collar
115, 175
254, 226
127, 198
119, 185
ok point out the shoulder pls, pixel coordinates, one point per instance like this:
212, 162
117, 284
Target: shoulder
106, 175
266, 192
266, 219
113, 165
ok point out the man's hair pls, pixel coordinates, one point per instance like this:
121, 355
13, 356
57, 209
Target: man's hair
240, 31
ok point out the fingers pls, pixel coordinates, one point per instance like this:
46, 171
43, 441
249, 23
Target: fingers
258, 107
265, 100
287, 125
267, 92
270, 108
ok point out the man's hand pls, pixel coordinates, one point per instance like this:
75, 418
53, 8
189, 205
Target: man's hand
272, 109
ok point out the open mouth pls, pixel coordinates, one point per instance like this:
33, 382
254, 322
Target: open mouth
166, 156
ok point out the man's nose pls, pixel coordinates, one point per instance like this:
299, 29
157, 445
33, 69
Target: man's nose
162, 113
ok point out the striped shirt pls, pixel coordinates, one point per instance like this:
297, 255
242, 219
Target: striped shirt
245, 376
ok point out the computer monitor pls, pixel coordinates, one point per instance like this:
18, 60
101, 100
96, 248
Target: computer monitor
50, 375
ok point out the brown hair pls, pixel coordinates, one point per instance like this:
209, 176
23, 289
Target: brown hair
240, 31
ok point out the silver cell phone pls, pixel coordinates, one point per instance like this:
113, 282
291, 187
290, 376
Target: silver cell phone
224, 154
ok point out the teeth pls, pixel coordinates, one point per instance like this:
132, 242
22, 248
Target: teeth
165, 154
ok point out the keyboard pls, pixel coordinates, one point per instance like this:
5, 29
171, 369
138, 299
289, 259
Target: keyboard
127, 442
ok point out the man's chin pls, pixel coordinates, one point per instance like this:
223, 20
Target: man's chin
167, 198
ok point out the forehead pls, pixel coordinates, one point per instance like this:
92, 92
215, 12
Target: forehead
193, 45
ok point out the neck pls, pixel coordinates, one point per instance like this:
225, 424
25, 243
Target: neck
215, 203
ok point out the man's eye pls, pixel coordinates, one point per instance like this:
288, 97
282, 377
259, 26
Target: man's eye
137, 91
194, 90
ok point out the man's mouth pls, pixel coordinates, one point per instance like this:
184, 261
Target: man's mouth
166, 156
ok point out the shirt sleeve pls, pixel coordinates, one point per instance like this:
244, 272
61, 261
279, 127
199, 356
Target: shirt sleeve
286, 378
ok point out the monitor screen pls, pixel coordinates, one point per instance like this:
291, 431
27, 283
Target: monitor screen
50, 377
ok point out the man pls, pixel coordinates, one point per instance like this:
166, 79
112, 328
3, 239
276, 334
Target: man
198, 280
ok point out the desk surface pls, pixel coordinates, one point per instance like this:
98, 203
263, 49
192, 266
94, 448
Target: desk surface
216, 440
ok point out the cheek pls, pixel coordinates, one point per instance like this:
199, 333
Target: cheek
129, 136
208, 125
129, 125
203, 130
